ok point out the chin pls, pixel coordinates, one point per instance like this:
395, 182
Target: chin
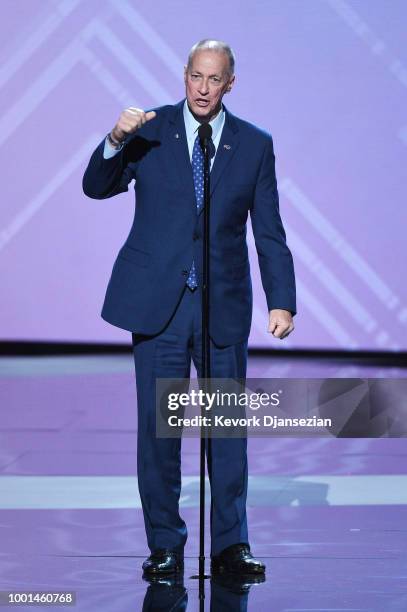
202, 112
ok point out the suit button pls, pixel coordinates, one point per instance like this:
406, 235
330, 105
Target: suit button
196, 236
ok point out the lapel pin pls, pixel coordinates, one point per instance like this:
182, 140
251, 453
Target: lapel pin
176, 135
225, 146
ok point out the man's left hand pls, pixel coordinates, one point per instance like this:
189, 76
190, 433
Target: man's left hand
280, 323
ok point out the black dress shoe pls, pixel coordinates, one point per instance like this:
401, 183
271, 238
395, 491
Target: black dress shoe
237, 559
163, 561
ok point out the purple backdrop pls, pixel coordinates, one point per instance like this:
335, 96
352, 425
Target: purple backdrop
328, 78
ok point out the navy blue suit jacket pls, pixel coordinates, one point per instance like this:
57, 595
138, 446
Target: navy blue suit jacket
151, 268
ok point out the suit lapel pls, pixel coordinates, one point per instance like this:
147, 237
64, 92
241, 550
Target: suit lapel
227, 147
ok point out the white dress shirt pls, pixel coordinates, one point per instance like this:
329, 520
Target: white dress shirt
192, 126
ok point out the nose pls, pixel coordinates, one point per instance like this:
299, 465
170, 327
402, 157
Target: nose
203, 88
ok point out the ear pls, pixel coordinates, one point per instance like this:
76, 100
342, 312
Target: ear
185, 73
230, 84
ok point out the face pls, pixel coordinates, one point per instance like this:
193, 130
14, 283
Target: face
206, 82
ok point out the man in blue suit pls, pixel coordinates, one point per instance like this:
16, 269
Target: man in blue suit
155, 286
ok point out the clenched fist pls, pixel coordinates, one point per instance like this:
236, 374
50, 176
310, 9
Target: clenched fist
280, 323
129, 121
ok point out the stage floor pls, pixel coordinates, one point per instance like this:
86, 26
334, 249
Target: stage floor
327, 516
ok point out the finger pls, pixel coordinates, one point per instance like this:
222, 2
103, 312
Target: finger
140, 119
139, 111
134, 109
284, 335
287, 332
134, 121
126, 126
281, 330
134, 116
278, 332
272, 326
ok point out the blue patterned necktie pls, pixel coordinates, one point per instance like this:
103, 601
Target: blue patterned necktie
198, 175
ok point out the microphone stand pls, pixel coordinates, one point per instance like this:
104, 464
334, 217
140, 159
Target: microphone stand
205, 133
206, 371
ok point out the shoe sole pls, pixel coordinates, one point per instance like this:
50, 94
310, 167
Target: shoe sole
176, 570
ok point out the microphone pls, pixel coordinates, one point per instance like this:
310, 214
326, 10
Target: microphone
205, 137
204, 133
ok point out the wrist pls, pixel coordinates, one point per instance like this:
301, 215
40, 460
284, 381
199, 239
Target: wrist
114, 140
114, 143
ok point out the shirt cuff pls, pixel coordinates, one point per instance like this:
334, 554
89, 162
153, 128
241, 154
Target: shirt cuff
110, 151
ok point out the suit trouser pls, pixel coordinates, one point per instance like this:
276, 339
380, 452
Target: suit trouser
168, 355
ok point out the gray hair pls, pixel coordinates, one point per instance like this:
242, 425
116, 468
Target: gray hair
214, 45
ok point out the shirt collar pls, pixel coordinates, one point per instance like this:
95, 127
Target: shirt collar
192, 125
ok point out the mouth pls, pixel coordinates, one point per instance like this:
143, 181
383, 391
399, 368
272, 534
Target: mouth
201, 102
